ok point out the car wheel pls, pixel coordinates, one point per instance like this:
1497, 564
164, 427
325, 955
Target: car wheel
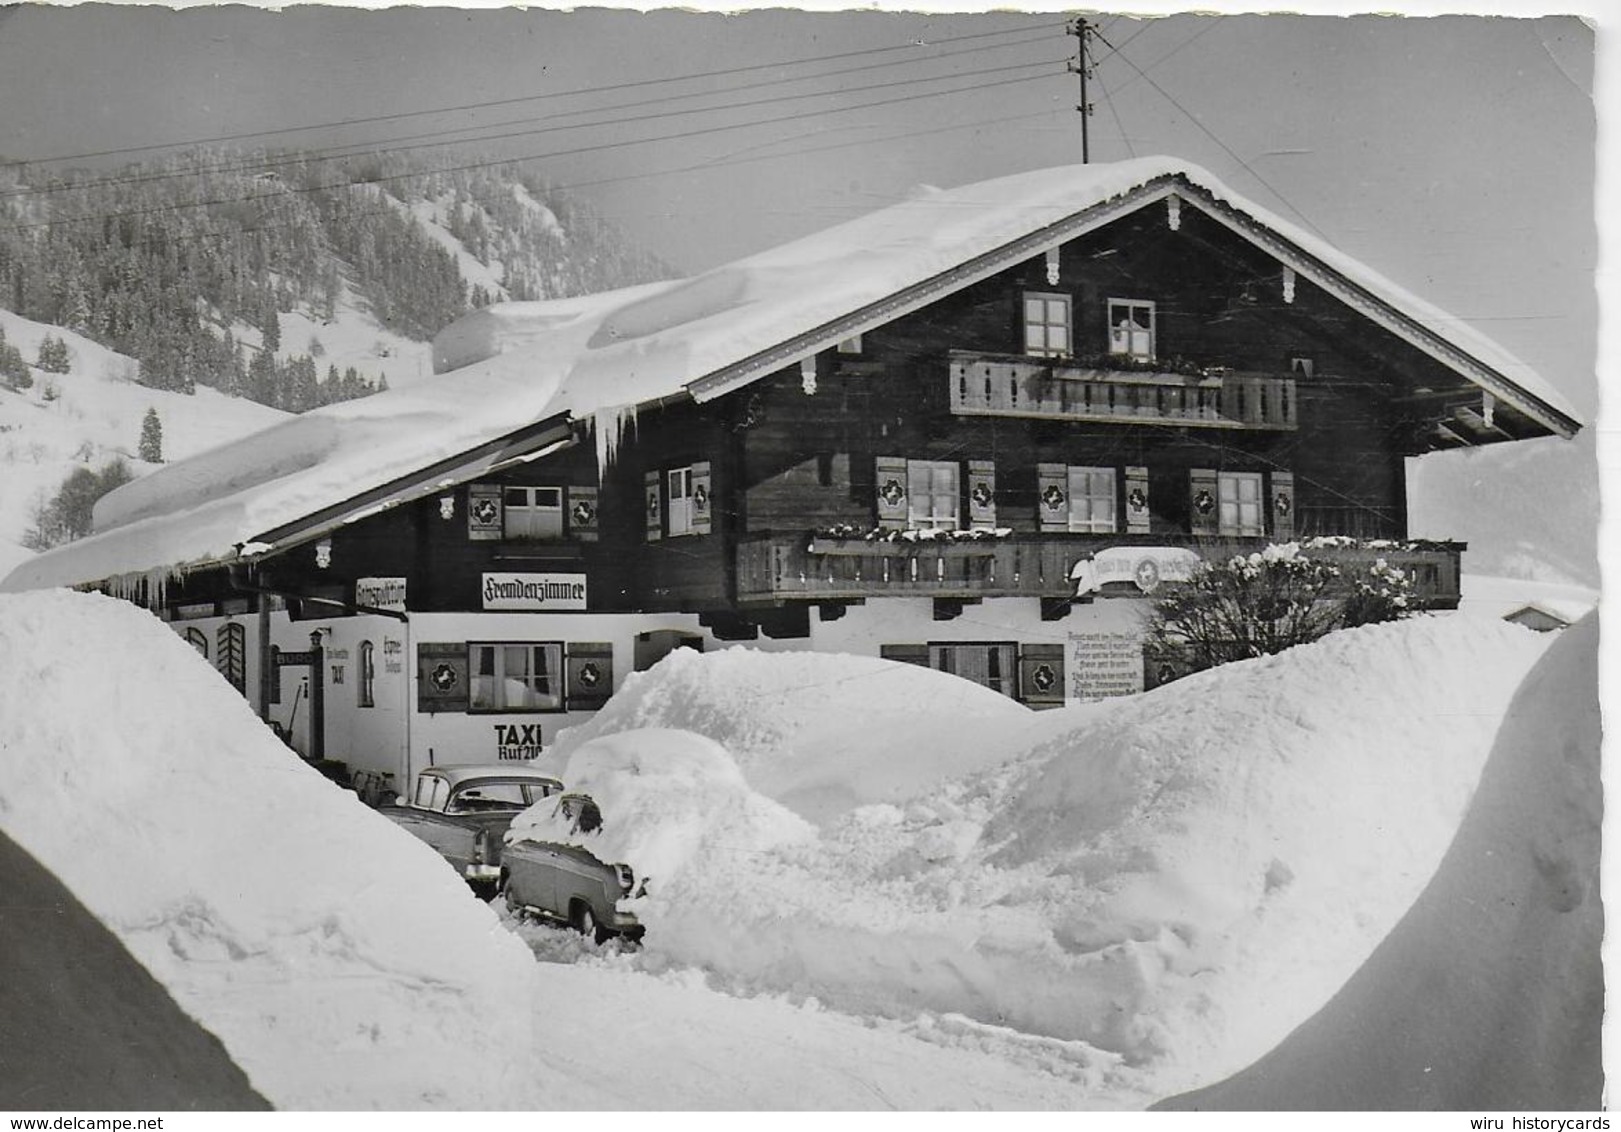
585, 921
514, 905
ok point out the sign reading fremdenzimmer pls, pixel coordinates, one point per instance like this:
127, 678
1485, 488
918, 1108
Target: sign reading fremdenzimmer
534, 592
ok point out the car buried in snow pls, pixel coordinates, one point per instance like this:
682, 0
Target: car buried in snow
463, 811
547, 871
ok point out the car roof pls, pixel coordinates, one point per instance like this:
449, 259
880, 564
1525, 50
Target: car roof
457, 774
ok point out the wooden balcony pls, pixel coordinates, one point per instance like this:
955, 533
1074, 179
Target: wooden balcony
1048, 389
798, 566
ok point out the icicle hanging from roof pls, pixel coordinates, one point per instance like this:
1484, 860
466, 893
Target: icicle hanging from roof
611, 426
149, 588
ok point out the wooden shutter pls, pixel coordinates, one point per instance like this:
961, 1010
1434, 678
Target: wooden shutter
590, 675
1137, 509
701, 499
1041, 675
484, 521
1203, 507
442, 681
652, 506
1283, 506
1052, 496
982, 494
890, 485
906, 654
231, 655
583, 522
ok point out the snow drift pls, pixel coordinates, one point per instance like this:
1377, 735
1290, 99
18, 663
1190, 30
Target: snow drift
1162, 886
808, 729
338, 959
1489, 994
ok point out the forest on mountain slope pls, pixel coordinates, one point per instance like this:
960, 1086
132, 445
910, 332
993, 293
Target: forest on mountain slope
176, 262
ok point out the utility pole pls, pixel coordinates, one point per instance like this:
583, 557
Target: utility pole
1080, 29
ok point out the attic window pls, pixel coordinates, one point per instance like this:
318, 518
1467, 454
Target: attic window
1047, 323
1131, 328
533, 512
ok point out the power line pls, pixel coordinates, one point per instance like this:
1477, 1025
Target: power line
336, 153
578, 150
517, 99
1224, 146
1114, 112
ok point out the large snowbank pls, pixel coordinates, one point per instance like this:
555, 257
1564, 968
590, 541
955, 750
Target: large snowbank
1489, 994
1162, 886
603, 356
338, 959
783, 718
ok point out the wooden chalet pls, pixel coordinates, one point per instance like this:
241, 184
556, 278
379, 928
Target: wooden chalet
954, 433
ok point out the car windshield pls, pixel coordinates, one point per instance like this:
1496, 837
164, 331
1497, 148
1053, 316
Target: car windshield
494, 794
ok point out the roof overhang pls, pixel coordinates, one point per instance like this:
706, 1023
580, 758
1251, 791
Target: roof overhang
1287, 252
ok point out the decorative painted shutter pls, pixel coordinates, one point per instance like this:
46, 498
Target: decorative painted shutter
582, 514
652, 508
1206, 515
701, 499
484, 520
982, 494
442, 677
906, 654
1283, 505
1041, 675
1137, 510
890, 483
590, 675
1052, 496
231, 655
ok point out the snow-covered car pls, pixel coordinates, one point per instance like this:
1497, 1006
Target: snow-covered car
463, 811
548, 870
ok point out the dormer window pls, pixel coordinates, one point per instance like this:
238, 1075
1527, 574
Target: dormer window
1047, 322
1131, 328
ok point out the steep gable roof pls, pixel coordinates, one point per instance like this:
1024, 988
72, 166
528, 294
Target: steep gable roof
599, 358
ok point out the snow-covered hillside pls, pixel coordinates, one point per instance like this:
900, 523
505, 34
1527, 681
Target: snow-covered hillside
1081, 908
89, 416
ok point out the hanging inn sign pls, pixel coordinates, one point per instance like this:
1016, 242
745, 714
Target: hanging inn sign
1144, 568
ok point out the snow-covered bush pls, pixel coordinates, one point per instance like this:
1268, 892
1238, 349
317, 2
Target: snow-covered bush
1262, 603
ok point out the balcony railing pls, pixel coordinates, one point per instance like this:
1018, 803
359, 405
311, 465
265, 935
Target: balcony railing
1005, 385
773, 568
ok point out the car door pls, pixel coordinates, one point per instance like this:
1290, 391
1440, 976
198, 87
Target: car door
532, 874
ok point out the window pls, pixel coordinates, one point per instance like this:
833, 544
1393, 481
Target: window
850, 345
1301, 367
1046, 325
678, 509
990, 665
368, 675
533, 512
931, 493
1238, 502
1091, 499
526, 677
198, 640
1131, 328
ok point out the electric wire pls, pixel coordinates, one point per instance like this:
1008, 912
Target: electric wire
362, 120
284, 191
1114, 111
362, 147
1228, 150
358, 149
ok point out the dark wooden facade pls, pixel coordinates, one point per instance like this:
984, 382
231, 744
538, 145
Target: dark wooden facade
1253, 373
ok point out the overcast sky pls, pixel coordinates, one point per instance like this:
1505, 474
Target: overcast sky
1454, 154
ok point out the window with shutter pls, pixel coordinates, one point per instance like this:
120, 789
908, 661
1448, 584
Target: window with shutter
1131, 328
1238, 497
932, 490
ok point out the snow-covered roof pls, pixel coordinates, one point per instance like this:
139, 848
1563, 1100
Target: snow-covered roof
601, 357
